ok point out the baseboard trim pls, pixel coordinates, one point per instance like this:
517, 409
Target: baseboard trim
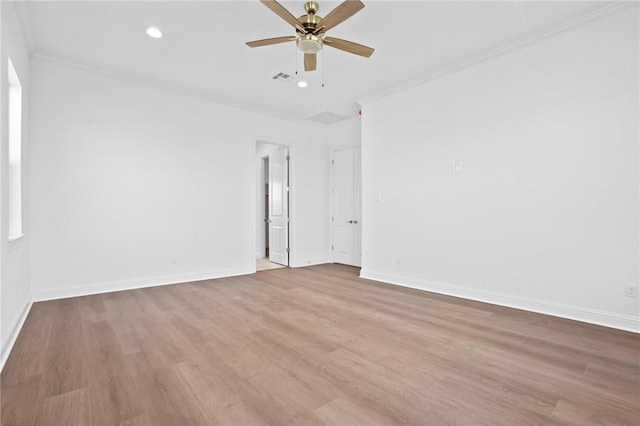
109, 287
592, 316
311, 262
7, 345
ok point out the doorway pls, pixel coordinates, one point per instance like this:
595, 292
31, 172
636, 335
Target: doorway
273, 206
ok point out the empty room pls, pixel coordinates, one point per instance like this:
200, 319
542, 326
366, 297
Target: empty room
294, 212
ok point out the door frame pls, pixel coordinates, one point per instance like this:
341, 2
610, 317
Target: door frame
278, 204
333, 149
254, 182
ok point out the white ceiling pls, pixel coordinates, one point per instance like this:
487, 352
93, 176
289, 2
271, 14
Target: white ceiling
203, 51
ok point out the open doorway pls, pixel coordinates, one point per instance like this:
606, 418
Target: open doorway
273, 201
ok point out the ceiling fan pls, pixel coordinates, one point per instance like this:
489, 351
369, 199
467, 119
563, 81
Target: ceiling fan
311, 28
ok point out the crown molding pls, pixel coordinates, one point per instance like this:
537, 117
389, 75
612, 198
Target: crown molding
502, 50
168, 87
23, 14
24, 20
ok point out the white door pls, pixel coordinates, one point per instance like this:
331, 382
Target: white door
279, 207
347, 204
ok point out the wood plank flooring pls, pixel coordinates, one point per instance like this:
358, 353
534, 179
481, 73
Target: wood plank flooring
312, 346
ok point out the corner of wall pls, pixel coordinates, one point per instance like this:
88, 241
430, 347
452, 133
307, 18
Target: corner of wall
8, 342
15, 286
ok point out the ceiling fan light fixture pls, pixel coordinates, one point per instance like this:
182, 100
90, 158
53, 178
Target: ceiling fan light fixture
309, 43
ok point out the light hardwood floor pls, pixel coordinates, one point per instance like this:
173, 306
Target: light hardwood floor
312, 346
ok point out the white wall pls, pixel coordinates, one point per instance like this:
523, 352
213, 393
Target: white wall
345, 134
544, 213
127, 177
14, 267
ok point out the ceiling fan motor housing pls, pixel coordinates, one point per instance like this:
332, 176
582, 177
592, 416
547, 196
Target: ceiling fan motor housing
310, 20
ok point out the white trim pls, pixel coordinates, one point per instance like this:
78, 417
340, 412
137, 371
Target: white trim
577, 313
14, 242
13, 238
24, 18
172, 88
507, 48
310, 262
108, 287
15, 331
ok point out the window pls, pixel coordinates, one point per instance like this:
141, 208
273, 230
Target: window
15, 154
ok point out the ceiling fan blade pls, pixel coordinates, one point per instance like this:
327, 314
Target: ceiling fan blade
348, 46
268, 41
340, 14
309, 61
280, 10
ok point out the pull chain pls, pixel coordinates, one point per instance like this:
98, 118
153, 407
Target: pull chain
322, 76
297, 61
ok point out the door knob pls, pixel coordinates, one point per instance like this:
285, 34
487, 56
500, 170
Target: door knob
355, 221
349, 221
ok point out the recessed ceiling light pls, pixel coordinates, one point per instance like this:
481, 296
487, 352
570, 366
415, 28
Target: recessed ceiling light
154, 32
302, 84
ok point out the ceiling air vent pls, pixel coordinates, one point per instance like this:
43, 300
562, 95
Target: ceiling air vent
281, 76
327, 117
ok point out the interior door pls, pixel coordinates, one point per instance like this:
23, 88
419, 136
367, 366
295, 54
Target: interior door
357, 207
279, 207
346, 206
